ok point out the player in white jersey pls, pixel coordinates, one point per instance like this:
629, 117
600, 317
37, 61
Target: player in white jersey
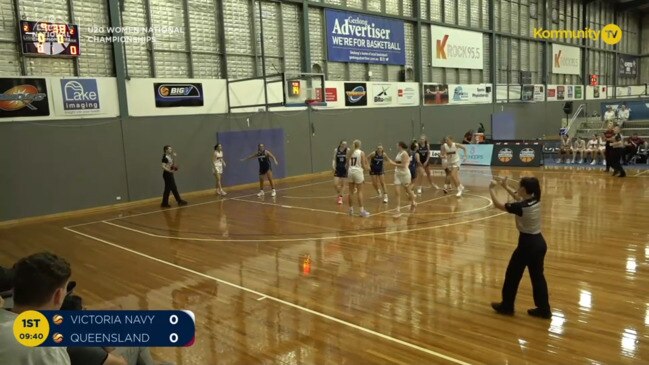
447, 172
450, 150
402, 176
593, 150
218, 163
356, 166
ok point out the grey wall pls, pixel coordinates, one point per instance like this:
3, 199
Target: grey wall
50, 167
58, 166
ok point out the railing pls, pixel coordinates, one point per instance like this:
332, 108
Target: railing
571, 130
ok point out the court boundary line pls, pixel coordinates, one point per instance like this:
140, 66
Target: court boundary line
195, 239
278, 300
289, 206
190, 205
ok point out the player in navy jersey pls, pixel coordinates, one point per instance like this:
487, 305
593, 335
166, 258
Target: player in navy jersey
264, 156
415, 162
339, 165
425, 160
376, 172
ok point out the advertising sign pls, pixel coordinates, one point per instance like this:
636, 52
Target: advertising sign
80, 96
355, 94
178, 94
23, 98
454, 48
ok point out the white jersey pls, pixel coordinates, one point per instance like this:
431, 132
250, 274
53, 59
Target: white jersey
218, 158
403, 155
452, 156
355, 162
593, 144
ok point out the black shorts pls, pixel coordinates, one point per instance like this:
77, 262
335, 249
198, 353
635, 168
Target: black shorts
376, 172
341, 173
263, 170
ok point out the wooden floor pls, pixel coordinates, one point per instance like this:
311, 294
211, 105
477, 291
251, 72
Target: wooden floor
295, 280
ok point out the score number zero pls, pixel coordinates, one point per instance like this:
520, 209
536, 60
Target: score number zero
173, 319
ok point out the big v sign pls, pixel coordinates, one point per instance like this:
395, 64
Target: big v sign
454, 48
566, 60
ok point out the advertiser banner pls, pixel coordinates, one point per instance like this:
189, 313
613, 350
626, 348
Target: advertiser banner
384, 93
360, 38
331, 94
478, 154
566, 60
470, 94
533, 93
407, 94
80, 96
355, 94
23, 98
565, 92
177, 94
517, 154
628, 66
435, 94
454, 48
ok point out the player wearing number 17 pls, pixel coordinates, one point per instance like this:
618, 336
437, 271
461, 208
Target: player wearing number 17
39, 284
357, 164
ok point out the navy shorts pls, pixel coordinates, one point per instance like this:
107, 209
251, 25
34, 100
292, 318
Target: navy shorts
342, 173
413, 172
263, 170
376, 172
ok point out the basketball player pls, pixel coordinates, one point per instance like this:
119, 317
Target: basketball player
264, 156
609, 135
376, 172
169, 168
415, 162
218, 163
402, 176
450, 150
592, 149
602, 149
424, 158
357, 164
578, 147
339, 165
531, 248
565, 149
447, 172
617, 153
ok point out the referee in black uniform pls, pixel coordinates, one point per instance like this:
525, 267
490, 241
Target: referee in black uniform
169, 168
531, 248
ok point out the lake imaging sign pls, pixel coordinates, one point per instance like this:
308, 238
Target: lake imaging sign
360, 38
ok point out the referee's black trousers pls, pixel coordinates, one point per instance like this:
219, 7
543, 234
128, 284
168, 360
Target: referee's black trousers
616, 158
530, 253
170, 186
607, 156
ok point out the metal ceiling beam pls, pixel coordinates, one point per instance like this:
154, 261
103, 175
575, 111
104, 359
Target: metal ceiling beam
634, 4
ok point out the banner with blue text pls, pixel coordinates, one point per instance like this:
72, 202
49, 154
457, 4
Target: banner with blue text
360, 38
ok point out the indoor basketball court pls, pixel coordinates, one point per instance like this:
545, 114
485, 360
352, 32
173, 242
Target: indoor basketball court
343, 182
295, 280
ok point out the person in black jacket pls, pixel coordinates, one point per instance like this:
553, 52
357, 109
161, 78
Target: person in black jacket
169, 168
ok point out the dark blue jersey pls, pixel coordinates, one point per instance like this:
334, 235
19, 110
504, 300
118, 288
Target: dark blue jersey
377, 163
423, 152
413, 164
413, 160
264, 161
341, 159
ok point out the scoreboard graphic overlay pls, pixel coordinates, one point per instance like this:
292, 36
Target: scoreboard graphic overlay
105, 328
